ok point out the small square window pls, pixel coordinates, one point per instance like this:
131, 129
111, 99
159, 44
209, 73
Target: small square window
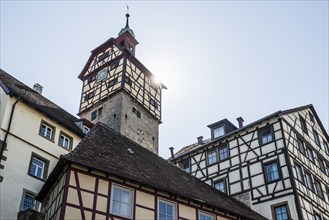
112, 82
316, 138
29, 202
166, 210
46, 130
303, 124
115, 64
38, 167
65, 141
121, 201
325, 146
272, 172
309, 181
223, 153
204, 216
128, 81
91, 79
218, 132
220, 185
185, 165
89, 95
301, 146
212, 156
103, 56
85, 129
265, 135
299, 173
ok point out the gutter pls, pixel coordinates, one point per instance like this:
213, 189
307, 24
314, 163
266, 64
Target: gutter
8, 129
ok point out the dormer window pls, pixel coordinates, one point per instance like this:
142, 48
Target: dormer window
218, 132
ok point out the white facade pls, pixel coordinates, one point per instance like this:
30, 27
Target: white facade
28, 156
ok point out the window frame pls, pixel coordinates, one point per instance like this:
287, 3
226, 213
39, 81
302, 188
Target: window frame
266, 175
302, 180
219, 129
317, 216
66, 136
318, 188
212, 216
131, 200
309, 181
184, 162
224, 184
37, 205
210, 152
310, 154
219, 153
261, 131
45, 168
173, 204
278, 205
47, 125
316, 138
301, 146
322, 165
303, 124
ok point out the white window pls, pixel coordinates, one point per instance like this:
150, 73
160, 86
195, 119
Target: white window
204, 216
46, 131
64, 141
272, 172
266, 135
218, 132
166, 210
121, 201
37, 167
212, 156
223, 153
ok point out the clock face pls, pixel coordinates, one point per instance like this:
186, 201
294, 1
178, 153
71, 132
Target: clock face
101, 75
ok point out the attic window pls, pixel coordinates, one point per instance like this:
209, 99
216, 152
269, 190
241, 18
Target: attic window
103, 56
219, 131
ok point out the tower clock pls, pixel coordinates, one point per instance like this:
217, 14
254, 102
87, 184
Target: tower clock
119, 91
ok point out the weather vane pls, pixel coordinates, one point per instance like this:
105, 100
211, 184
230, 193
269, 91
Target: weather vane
127, 8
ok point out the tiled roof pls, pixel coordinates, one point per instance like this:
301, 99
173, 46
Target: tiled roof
108, 151
12, 86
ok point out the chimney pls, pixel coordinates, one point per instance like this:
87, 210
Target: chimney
38, 88
172, 152
200, 140
240, 121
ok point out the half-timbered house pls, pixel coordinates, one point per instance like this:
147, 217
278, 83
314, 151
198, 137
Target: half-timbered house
34, 133
278, 165
108, 176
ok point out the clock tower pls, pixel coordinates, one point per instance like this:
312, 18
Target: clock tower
119, 91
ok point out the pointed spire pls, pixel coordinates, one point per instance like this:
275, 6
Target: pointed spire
127, 29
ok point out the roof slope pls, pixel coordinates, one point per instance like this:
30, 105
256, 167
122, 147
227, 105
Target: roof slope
12, 86
108, 151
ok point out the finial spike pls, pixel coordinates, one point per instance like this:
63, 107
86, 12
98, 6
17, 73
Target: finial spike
127, 8
127, 15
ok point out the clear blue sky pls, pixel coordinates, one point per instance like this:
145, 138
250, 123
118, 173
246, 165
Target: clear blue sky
219, 59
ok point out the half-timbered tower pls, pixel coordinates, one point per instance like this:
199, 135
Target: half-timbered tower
108, 176
121, 92
278, 165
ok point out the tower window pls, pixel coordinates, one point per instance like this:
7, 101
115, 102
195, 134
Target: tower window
93, 115
89, 95
138, 113
154, 103
103, 56
112, 82
91, 79
128, 81
115, 64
